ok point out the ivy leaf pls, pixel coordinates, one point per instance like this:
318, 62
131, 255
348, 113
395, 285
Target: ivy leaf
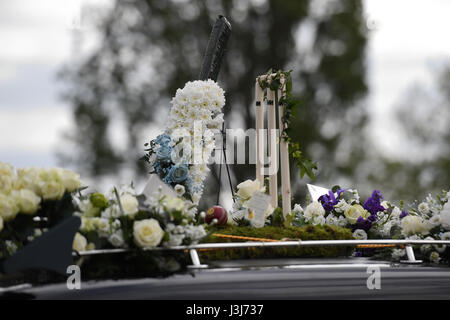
307, 166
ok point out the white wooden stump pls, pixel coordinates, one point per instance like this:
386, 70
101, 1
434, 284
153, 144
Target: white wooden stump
275, 144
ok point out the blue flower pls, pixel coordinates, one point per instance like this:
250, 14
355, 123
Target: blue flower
178, 173
163, 139
164, 153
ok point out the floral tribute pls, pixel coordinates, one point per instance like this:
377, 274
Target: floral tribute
32, 192
376, 218
124, 219
181, 154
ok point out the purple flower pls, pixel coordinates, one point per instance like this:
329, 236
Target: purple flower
403, 214
358, 254
364, 224
373, 204
328, 201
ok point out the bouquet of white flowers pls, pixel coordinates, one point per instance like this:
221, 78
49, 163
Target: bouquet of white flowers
124, 219
32, 192
181, 154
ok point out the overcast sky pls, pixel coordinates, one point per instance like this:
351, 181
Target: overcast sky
408, 36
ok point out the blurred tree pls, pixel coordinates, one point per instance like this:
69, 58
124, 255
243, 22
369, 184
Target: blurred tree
151, 48
424, 165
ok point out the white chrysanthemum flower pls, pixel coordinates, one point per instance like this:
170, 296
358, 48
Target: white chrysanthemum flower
360, 234
423, 208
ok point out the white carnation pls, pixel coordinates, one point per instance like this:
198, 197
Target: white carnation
360, 234
314, 209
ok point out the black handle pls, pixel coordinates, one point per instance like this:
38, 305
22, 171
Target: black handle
215, 50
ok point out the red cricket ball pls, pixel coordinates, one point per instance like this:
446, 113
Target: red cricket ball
216, 212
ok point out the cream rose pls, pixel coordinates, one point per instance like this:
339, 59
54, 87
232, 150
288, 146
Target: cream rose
413, 225
79, 242
8, 207
247, 188
129, 204
51, 190
355, 211
147, 233
70, 180
28, 201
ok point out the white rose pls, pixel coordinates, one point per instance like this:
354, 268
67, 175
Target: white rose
129, 204
51, 190
360, 234
247, 188
414, 225
6, 169
314, 209
28, 201
355, 211
147, 233
79, 242
70, 180
8, 207
6, 183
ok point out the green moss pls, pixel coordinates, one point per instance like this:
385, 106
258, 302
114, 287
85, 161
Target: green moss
278, 233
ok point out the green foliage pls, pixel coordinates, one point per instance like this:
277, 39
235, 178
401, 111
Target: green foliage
278, 233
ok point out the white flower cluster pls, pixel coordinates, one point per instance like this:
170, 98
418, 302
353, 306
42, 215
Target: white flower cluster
23, 190
195, 117
105, 216
241, 210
